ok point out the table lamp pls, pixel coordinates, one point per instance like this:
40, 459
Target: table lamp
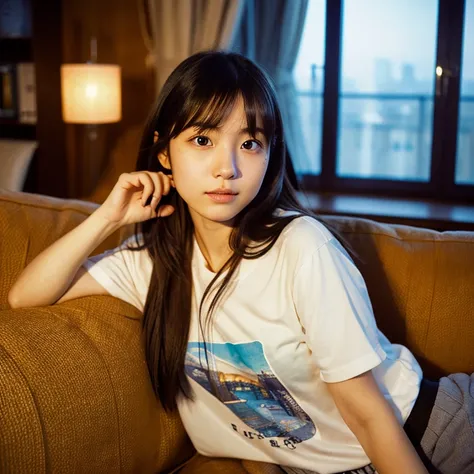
91, 95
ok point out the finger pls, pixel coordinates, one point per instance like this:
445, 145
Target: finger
154, 202
148, 187
158, 192
165, 211
165, 183
129, 180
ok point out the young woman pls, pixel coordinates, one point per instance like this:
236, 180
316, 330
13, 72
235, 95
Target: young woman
257, 324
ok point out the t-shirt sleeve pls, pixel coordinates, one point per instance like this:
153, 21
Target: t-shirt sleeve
333, 306
124, 273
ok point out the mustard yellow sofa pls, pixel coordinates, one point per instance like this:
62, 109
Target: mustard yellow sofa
75, 396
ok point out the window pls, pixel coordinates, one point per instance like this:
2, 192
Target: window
386, 98
309, 79
380, 97
465, 141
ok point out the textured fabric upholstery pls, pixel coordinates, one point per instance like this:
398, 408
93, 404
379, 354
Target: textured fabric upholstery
74, 389
204, 465
421, 284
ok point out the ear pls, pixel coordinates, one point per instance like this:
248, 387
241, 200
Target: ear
162, 157
164, 160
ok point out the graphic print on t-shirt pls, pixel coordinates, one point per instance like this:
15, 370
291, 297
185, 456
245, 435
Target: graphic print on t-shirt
241, 378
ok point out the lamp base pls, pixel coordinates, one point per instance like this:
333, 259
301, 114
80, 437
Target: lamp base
92, 162
92, 132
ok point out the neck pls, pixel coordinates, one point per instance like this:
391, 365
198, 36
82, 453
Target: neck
213, 240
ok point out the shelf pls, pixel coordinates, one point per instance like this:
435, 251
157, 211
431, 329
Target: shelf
16, 50
15, 122
415, 212
12, 129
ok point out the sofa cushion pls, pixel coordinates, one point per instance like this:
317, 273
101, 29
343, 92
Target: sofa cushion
199, 464
75, 395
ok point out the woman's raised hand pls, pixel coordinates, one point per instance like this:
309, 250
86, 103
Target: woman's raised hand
126, 203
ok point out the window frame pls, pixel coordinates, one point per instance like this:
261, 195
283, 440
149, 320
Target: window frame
442, 185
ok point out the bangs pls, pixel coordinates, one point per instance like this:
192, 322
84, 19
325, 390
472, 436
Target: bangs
211, 97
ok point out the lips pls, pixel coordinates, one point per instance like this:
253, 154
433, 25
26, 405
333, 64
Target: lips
222, 191
222, 195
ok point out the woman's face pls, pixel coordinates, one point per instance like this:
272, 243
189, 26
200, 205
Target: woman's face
220, 171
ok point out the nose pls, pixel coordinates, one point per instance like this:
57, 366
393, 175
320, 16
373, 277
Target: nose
225, 165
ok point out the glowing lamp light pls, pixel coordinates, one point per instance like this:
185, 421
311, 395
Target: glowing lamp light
91, 93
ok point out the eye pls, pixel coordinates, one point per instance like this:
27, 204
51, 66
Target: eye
201, 140
249, 145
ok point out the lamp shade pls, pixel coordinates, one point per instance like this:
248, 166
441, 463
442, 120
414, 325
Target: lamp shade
91, 93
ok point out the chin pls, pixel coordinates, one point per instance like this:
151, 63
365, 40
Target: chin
221, 213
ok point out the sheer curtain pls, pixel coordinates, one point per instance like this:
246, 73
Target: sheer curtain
180, 28
270, 33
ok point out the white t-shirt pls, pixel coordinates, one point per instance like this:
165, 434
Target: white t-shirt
294, 319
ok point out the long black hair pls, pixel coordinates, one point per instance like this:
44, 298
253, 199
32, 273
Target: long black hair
204, 89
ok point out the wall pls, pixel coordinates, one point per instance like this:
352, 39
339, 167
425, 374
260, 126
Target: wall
116, 24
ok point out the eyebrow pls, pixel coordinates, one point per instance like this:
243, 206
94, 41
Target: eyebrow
206, 126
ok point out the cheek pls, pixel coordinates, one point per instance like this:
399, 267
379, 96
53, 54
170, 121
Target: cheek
184, 184
261, 169
179, 170
187, 179
253, 175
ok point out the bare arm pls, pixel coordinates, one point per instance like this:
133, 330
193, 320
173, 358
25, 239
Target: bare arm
53, 271
55, 274
372, 420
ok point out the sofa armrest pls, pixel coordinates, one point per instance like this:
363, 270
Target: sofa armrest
75, 395
29, 223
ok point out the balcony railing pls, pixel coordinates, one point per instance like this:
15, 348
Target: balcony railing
386, 135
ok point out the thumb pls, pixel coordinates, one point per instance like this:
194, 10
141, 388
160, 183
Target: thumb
165, 210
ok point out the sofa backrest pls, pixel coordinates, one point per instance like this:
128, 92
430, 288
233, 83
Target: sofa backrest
421, 282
